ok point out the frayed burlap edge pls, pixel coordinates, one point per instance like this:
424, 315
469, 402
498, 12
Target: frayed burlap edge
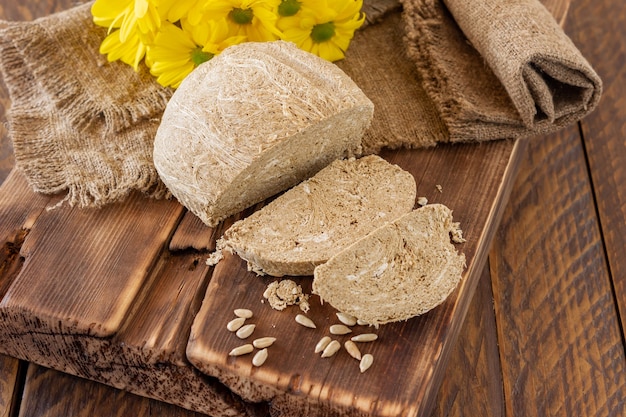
47, 140
49, 180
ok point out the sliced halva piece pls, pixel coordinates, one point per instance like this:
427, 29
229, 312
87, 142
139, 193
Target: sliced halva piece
319, 217
398, 271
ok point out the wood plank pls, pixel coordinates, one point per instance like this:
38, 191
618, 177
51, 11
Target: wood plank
191, 233
158, 327
604, 130
146, 356
19, 208
17, 216
409, 353
9, 389
91, 283
146, 353
561, 349
46, 393
472, 384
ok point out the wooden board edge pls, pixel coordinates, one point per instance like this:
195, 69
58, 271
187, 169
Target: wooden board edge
475, 272
110, 363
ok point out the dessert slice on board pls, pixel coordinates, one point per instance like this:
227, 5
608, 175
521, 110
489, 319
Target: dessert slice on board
319, 217
403, 269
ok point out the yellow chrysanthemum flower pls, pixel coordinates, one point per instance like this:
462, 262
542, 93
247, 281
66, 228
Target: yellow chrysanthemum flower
176, 51
132, 25
175, 10
175, 36
131, 51
254, 19
128, 16
324, 28
107, 13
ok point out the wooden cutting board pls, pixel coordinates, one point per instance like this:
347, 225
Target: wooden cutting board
112, 294
408, 356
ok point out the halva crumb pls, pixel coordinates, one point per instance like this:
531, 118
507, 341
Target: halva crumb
281, 294
214, 258
456, 233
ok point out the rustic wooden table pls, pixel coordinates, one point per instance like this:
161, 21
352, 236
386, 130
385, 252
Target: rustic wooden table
543, 334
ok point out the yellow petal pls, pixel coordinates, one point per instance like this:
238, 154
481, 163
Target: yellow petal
105, 12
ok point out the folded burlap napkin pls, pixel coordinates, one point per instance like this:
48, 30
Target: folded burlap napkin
498, 68
475, 70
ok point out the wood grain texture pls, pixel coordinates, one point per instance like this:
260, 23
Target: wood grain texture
472, 384
46, 395
409, 353
19, 208
92, 281
191, 233
9, 388
15, 221
604, 131
146, 353
158, 327
561, 349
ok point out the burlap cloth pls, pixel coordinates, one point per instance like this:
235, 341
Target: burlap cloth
77, 122
466, 70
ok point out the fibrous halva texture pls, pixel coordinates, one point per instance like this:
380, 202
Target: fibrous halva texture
284, 293
309, 223
254, 121
398, 271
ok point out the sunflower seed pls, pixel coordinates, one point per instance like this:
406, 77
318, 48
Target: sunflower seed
305, 321
260, 357
346, 319
352, 349
365, 337
362, 322
331, 349
235, 324
263, 342
245, 331
241, 350
321, 345
339, 329
243, 312
366, 362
